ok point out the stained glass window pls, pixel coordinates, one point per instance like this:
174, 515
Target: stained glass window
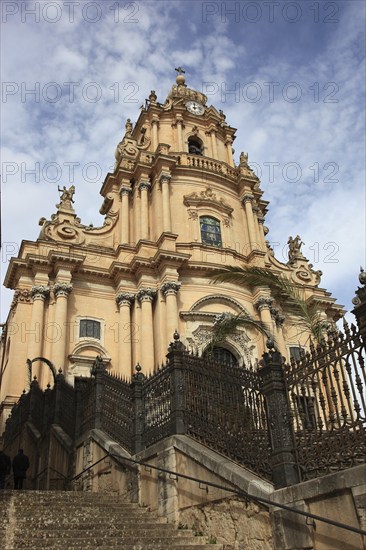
210, 231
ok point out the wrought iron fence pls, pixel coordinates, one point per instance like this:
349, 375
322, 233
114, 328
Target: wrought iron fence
157, 393
326, 388
117, 410
224, 409
310, 413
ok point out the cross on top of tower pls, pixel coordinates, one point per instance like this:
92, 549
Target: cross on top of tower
180, 80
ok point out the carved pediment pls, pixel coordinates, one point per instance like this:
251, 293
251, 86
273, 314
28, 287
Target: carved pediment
207, 198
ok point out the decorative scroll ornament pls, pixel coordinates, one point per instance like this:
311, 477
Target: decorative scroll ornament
146, 295
170, 287
40, 292
207, 198
125, 299
62, 289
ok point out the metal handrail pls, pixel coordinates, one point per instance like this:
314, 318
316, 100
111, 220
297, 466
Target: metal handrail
49, 468
239, 492
89, 467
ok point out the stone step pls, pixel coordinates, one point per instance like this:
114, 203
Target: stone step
164, 530
145, 546
74, 520
113, 542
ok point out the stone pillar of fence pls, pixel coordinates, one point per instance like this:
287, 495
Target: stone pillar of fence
283, 459
175, 357
138, 404
98, 370
58, 397
359, 302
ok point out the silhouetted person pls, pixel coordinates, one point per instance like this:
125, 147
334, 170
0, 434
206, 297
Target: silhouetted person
20, 467
5, 467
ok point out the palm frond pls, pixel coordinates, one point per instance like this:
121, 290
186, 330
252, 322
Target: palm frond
282, 290
230, 324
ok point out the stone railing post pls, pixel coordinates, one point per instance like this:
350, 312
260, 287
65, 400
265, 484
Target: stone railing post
138, 404
281, 434
58, 397
98, 371
176, 361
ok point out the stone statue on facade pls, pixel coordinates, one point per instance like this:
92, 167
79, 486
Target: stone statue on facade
66, 197
294, 248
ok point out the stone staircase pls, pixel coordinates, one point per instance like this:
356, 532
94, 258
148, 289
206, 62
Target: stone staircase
72, 520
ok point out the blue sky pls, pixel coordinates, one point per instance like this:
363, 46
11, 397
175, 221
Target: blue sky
290, 76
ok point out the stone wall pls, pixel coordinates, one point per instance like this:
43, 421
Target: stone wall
340, 497
236, 524
219, 514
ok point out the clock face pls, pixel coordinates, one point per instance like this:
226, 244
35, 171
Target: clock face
195, 108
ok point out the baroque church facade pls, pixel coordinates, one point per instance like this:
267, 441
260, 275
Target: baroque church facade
176, 209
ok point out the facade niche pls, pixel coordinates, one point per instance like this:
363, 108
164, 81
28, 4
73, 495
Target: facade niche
195, 146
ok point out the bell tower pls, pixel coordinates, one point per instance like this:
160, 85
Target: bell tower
176, 207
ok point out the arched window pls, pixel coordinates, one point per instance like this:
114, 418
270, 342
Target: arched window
195, 146
210, 231
223, 355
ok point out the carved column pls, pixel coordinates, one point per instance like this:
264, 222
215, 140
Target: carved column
214, 144
164, 182
263, 304
170, 291
146, 297
125, 215
154, 134
61, 291
144, 213
124, 301
39, 295
229, 151
247, 200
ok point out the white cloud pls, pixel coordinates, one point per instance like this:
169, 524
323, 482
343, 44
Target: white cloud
134, 58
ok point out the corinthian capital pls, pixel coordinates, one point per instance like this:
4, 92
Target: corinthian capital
125, 190
247, 198
146, 295
165, 178
144, 185
170, 287
40, 292
263, 302
125, 299
62, 289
